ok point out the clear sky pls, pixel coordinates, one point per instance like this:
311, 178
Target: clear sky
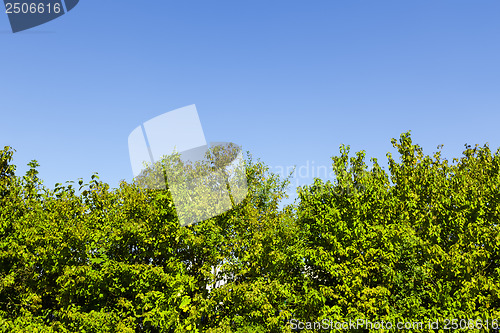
288, 80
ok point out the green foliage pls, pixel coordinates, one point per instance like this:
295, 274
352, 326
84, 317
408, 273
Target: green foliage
418, 242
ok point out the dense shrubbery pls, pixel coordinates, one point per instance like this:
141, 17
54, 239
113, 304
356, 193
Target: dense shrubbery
418, 242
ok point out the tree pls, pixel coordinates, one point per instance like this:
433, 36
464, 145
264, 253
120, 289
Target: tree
419, 243
416, 243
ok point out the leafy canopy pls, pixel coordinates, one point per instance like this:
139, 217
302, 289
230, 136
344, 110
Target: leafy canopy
416, 242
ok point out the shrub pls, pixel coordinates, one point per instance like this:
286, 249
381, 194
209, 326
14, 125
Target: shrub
418, 242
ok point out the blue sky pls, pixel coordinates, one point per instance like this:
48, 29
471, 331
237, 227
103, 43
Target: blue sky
288, 80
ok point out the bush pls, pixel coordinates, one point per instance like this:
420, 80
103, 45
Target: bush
418, 242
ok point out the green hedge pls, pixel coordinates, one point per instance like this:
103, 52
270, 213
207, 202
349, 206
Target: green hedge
416, 242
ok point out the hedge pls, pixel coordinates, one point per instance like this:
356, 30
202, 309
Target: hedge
417, 242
